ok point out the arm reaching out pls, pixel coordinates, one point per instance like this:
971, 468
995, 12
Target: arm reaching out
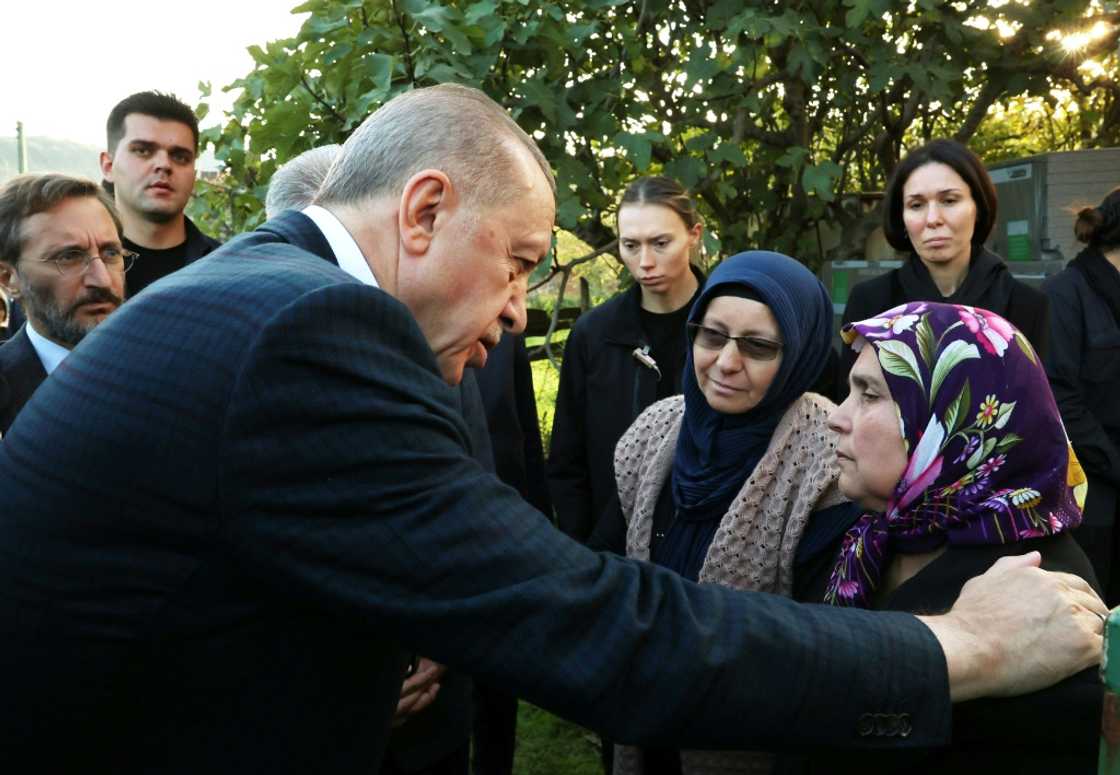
1017, 628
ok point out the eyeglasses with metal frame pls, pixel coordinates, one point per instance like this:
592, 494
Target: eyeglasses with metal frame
74, 261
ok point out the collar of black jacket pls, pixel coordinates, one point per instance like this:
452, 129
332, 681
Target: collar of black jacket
624, 325
198, 244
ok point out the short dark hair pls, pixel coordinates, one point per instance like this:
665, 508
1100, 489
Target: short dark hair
1100, 226
962, 161
24, 196
166, 107
660, 190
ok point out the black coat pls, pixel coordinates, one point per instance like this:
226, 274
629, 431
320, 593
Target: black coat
603, 389
510, 405
1083, 364
1026, 308
1047, 732
21, 372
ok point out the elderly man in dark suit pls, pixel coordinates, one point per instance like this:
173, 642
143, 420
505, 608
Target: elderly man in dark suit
261, 503
60, 251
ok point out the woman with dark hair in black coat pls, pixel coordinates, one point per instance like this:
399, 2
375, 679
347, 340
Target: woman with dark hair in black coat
940, 208
1084, 369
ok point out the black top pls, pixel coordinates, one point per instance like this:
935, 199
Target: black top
988, 285
668, 344
154, 265
1051, 731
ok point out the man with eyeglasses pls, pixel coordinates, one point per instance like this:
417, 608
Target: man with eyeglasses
61, 255
149, 168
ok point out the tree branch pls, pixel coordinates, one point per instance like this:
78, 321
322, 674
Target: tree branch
341, 119
408, 66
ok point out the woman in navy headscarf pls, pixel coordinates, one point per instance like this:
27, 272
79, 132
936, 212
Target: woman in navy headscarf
719, 483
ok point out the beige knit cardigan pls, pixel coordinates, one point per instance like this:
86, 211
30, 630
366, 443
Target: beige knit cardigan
754, 546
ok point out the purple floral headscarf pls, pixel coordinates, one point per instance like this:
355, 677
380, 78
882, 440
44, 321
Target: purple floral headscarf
989, 461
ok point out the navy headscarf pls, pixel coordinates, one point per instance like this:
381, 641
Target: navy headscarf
716, 453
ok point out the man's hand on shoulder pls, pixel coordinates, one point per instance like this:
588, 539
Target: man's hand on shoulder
1017, 629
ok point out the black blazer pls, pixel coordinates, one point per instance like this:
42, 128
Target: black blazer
21, 372
260, 501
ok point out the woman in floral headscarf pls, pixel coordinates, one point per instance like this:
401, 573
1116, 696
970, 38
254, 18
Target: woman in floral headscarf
952, 443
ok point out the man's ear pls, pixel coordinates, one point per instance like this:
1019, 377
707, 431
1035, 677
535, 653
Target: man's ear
427, 201
9, 279
106, 161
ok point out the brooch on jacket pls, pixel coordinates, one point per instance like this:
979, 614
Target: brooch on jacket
642, 356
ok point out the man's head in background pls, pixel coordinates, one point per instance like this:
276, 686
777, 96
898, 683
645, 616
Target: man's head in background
61, 253
150, 158
295, 184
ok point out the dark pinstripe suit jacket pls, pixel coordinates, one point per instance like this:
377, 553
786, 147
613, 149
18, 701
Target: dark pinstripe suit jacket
21, 372
246, 493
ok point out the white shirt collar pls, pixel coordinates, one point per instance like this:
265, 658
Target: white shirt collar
346, 250
50, 353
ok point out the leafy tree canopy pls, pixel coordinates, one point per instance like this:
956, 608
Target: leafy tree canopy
773, 113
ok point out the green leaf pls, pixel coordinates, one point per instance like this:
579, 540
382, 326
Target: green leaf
926, 342
688, 170
793, 157
980, 454
730, 153
379, 67
569, 211
956, 352
638, 149
897, 358
701, 65
1007, 442
1004, 414
479, 11
955, 414
721, 12
860, 9
337, 52
818, 179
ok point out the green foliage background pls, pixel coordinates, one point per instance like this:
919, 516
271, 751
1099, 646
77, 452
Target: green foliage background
772, 112
776, 114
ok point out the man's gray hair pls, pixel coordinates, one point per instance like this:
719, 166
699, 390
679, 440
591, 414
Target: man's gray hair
455, 129
294, 185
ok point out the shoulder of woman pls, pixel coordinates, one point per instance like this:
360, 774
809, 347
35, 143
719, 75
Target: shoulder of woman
659, 415
648, 430
810, 409
808, 416
869, 297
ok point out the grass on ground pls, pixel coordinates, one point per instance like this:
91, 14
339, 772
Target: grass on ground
547, 745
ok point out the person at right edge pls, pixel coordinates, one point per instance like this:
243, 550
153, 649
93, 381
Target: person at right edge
1084, 369
940, 208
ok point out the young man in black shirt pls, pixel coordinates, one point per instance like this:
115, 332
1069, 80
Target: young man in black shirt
150, 169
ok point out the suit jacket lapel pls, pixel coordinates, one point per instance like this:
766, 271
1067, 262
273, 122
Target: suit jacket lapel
21, 372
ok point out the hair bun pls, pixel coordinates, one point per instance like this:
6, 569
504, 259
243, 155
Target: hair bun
1089, 222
